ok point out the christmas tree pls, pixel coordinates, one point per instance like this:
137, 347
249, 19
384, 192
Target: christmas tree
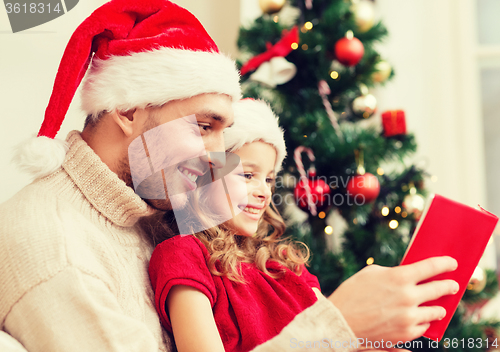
315, 63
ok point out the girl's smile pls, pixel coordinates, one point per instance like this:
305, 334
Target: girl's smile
258, 160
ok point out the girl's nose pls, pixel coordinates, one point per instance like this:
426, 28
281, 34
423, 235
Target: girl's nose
262, 190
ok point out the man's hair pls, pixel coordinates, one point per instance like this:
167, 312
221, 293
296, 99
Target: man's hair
91, 120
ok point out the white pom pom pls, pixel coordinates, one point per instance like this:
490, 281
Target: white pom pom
40, 156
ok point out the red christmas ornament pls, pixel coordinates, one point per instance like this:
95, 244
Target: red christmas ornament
319, 192
363, 188
349, 50
394, 123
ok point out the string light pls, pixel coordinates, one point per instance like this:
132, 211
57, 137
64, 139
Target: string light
275, 19
385, 211
294, 46
370, 261
328, 230
393, 224
308, 25
397, 210
434, 178
334, 74
305, 136
355, 221
404, 214
321, 215
380, 171
305, 47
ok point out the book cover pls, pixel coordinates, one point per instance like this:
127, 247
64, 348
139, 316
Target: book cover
449, 228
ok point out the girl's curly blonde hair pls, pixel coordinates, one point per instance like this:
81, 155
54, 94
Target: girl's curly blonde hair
228, 249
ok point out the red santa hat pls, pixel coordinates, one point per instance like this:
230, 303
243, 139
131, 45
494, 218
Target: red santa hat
141, 53
254, 120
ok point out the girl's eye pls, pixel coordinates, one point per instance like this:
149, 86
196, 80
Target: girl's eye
269, 180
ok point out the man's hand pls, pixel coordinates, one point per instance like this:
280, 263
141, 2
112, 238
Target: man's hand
383, 303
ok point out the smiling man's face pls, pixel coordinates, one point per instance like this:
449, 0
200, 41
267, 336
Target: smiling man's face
174, 148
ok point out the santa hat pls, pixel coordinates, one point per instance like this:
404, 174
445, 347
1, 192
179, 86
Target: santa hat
255, 121
141, 53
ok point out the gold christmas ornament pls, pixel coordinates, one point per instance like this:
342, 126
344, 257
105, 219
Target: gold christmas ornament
364, 15
477, 282
383, 71
414, 204
271, 6
364, 105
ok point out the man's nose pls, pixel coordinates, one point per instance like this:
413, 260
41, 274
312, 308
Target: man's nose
215, 142
217, 159
215, 150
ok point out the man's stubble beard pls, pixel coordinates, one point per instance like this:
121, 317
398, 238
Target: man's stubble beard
124, 166
125, 175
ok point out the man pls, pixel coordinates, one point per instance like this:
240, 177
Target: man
74, 263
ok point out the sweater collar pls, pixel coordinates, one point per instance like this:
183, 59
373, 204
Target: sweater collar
101, 186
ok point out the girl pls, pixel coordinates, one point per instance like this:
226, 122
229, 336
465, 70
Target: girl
236, 285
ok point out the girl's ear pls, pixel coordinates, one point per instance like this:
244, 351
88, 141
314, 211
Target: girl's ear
127, 121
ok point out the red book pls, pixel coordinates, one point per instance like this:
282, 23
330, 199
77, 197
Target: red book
456, 230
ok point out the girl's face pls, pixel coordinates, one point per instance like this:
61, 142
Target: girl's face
258, 160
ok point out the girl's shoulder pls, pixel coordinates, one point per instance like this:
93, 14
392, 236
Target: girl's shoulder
180, 260
179, 248
180, 241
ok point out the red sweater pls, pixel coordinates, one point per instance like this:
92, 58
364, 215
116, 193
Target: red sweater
246, 314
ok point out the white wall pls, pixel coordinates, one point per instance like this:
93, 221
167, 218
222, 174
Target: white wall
432, 46
29, 62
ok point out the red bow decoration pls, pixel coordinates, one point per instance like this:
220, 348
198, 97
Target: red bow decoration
282, 48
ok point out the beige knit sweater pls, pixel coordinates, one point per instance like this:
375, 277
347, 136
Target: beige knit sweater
73, 268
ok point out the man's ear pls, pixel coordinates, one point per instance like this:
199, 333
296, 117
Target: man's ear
127, 121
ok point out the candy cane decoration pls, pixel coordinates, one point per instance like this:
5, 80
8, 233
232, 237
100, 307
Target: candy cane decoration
324, 91
303, 176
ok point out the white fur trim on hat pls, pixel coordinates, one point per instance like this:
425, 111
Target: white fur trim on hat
156, 77
255, 121
40, 156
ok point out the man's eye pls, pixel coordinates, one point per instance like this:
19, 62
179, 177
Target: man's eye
204, 127
248, 176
